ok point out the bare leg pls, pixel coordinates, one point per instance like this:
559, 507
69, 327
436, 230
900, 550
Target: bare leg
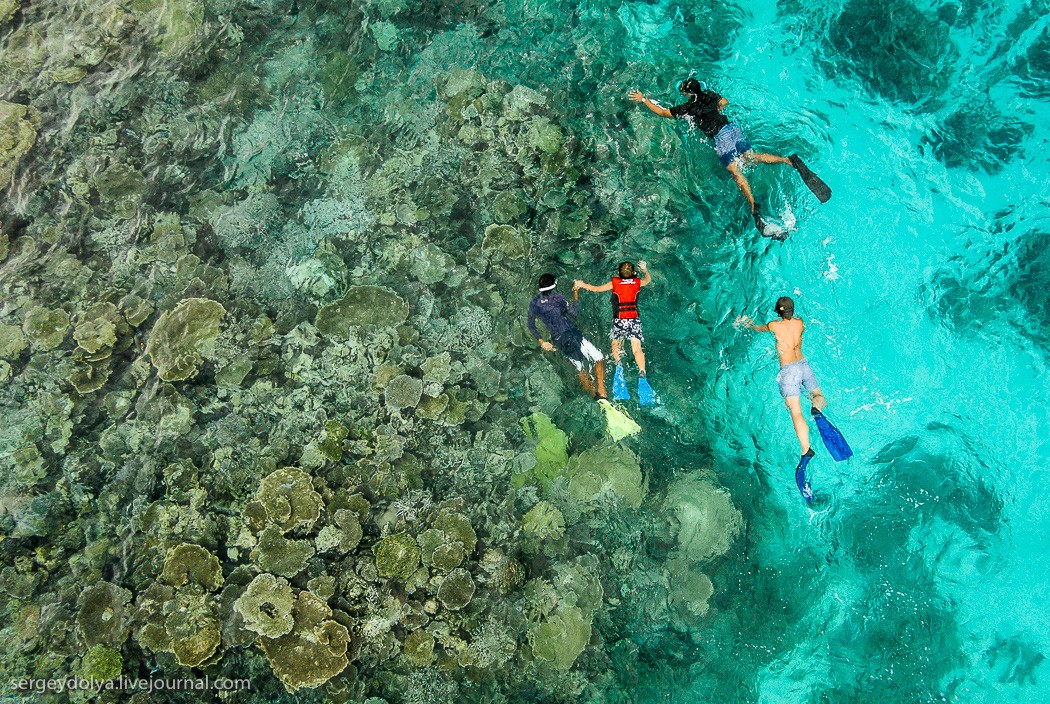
741, 183
801, 427
599, 373
818, 400
617, 350
639, 356
586, 381
767, 158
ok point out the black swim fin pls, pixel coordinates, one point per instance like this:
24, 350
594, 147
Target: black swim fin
819, 188
773, 232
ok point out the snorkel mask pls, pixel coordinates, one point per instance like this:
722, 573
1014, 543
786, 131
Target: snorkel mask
692, 88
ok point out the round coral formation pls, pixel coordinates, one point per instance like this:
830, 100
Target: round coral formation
456, 590
101, 663
703, 518
362, 305
18, 130
103, 617
289, 499
397, 556
419, 648
45, 328
403, 391
266, 606
182, 335
544, 521
314, 651
561, 637
192, 564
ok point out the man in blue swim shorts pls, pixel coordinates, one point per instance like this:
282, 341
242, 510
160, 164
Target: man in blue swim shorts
795, 373
703, 112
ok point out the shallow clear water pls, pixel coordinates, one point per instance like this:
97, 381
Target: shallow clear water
301, 149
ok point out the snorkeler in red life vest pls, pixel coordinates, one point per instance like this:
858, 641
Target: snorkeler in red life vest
626, 325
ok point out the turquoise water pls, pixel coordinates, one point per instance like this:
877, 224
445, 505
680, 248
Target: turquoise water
272, 159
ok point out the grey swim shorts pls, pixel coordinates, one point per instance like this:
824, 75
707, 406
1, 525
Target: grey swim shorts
794, 376
626, 328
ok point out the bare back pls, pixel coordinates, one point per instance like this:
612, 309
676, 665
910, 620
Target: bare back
789, 339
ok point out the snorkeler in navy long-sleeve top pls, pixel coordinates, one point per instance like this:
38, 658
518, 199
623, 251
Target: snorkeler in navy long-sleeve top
556, 313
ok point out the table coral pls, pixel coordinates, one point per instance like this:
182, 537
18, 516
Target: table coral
101, 663
561, 637
418, 648
12, 341
179, 337
191, 564
396, 556
362, 305
456, 590
402, 392
611, 468
18, 129
552, 447
314, 651
702, 517
46, 329
266, 606
103, 616
289, 500
275, 553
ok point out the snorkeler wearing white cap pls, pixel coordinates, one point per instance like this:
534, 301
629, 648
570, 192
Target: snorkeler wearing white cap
703, 111
554, 310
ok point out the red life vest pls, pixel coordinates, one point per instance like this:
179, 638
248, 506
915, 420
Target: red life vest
625, 297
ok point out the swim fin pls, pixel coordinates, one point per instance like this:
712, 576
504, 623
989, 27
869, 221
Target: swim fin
800, 476
819, 188
620, 386
773, 232
619, 424
646, 396
837, 446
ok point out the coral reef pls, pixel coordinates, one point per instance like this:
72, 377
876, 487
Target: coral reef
702, 517
267, 404
181, 336
18, 129
314, 651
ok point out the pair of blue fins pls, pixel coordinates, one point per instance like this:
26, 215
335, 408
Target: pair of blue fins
646, 396
837, 446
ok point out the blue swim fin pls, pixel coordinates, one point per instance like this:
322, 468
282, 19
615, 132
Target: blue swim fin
620, 386
646, 396
800, 476
837, 446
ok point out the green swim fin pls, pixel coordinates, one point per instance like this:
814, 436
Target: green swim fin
619, 424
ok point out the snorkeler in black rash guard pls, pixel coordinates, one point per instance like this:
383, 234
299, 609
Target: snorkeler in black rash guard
703, 112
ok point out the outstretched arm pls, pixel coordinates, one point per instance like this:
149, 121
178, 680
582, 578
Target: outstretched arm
744, 321
646, 277
636, 96
578, 284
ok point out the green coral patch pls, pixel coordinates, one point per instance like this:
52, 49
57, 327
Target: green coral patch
362, 305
